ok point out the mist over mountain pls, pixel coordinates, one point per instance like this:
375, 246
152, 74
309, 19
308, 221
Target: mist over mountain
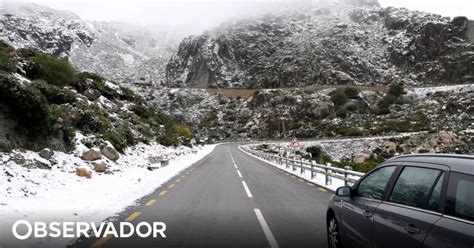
324, 43
122, 52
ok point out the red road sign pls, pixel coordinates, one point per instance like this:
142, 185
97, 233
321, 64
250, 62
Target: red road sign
294, 143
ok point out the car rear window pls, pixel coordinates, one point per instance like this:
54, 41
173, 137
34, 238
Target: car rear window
414, 187
460, 196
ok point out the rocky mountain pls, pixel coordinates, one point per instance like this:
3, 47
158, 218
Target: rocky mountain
121, 52
328, 43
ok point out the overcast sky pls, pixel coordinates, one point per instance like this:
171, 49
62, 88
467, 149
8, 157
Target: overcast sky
199, 15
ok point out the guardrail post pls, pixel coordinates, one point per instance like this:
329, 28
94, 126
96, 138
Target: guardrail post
286, 162
293, 163
328, 172
346, 174
302, 166
312, 168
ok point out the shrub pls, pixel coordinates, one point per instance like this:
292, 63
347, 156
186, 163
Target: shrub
142, 111
396, 90
53, 93
120, 137
183, 130
7, 63
29, 105
93, 119
351, 92
339, 98
51, 69
349, 131
352, 107
341, 112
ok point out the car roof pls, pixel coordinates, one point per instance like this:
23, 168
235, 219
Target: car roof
456, 162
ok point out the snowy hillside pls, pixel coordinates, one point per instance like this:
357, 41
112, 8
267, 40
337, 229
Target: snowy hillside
328, 44
119, 52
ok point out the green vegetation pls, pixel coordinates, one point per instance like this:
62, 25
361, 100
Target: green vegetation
27, 104
318, 155
207, 121
339, 98
351, 92
7, 63
183, 130
393, 96
48, 68
53, 93
47, 107
341, 112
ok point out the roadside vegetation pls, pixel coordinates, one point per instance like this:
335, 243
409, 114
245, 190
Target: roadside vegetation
58, 101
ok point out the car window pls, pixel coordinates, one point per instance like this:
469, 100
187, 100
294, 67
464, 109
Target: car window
460, 196
413, 186
433, 203
374, 184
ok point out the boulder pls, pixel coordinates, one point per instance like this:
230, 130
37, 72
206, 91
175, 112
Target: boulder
46, 153
92, 154
361, 158
389, 147
83, 172
446, 137
99, 166
110, 153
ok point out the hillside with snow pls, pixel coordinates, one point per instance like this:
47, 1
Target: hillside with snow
125, 53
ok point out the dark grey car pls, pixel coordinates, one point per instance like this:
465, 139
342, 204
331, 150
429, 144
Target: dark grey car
408, 201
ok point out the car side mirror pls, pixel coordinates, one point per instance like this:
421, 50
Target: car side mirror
344, 191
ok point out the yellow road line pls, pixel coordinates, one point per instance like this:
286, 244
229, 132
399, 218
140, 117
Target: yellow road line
293, 176
310, 184
133, 216
162, 193
301, 180
102, 241
171, 186
322, 190
177, 181
150, 202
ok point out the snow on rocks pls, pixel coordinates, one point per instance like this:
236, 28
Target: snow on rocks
92, 154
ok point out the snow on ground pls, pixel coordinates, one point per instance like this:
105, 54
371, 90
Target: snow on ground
340, 148
59, 194
319, 179
424, 91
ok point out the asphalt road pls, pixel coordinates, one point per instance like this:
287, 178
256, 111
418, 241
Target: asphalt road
230, 200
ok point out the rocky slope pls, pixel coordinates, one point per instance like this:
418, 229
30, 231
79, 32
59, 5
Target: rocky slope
120, 52
355, 42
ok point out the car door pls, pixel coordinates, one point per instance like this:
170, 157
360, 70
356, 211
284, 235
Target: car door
456, 227
357, 211
407, 213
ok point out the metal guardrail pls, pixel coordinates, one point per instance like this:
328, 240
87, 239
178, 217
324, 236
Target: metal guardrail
347, 174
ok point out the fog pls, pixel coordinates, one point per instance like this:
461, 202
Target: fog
193, 17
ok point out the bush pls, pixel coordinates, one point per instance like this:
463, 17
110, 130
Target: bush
352, 107
29, 106
53, 93
396, 90
183, 130
7, 63
351, 92
93, 119
51, 69
349, 131
120, 137
341, 112
339, 98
